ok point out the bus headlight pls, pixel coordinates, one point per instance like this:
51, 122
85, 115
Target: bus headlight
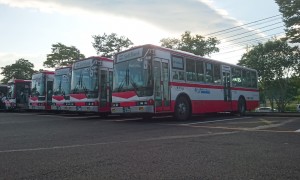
142, 103
115, 105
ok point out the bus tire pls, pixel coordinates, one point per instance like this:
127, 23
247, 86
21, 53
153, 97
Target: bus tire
182, 109
242, 107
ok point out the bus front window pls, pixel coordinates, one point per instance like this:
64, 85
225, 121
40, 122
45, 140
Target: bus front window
131, 75
85, 80
38, 85
61, 84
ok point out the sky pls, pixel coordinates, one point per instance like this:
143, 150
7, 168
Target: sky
28, 28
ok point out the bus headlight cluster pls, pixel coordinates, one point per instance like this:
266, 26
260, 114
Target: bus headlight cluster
141, 103
90, 104
116, 105
70, 104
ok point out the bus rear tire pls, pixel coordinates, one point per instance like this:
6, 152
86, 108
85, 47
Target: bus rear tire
242, 107
182, 109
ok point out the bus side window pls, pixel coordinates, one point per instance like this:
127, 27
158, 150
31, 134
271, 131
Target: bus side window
175, 75
178, 75
236, 77
246, 81
181, 75
190, 70
199, 71
208, 72
217, 74
253, 79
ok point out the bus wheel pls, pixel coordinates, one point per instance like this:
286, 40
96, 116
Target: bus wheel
182, 109
241, 107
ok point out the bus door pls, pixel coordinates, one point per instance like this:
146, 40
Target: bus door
105, 88
227, 87
49, 91
161, 85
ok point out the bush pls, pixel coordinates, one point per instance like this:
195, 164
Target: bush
290, 108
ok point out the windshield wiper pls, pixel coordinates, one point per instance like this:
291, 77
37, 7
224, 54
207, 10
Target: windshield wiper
134, 85
123, 81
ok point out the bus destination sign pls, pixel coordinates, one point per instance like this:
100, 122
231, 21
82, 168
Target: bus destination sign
135, 53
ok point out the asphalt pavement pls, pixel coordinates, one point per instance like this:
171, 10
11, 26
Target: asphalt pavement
69, 146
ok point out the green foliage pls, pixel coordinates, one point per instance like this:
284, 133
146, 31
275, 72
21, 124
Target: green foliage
282, 91
193, 44
277, 64
109, 45
291, 107
62, 55
290, 10
21, 69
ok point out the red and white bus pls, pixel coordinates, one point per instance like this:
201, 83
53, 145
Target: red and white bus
61, 88
152, 80
91, 85
3, 93
18, 94
41, 90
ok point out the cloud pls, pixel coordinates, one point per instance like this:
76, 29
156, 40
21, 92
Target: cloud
170, 16
199, 16
10, 58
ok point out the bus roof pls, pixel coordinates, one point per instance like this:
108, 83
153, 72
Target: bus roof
18, 80
96, 57
185, 54
44, 72
64, 67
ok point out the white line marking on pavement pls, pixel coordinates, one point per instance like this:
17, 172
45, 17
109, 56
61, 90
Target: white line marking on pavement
80, 117
297, 130
120, 120
221, 120
273, 125
118, 142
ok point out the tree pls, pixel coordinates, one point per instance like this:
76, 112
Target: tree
276, 63
21, 69
62, 55
291, 17
109, 45
193, 44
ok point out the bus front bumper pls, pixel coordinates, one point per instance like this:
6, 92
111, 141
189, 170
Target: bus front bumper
83, 108
37, 107
132, 109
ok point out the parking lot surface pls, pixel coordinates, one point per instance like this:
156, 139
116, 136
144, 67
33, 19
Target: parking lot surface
71, 146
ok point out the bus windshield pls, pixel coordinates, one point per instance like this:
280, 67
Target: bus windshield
85, 80
38, 85
133, 75
61, 84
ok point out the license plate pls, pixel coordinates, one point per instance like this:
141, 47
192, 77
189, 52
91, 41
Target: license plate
127, 109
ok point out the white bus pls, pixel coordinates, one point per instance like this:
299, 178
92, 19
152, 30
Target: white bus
91, 84
150, 80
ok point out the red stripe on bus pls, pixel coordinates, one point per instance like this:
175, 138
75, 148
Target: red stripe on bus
79, 103
210, 86
58, 98
204, 106
34, 98
124, 95
78, 96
